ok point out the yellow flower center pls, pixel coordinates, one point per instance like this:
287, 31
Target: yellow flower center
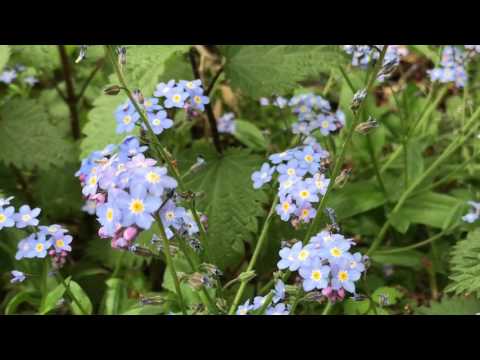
137, 206
60, 243
197, 99
286, 206
343, 276
170, 215
325, 124
316, 275
190, 85
147, 103
304, 194
93, 181
305, 213
156, 122
319, 184
3, 218
291, 171
308, 158
109, 215
336, 252
26, 218
176, 98
303, 109
242, 312
39, 247
127, 119
152, 177
303, 255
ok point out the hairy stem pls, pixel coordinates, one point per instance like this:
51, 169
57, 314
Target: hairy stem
71, 98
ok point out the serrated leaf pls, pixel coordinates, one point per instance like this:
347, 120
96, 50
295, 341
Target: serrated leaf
4, 56
145, 64
263, 70
45, 57
465, 266
230, 202
28, 138
451, 306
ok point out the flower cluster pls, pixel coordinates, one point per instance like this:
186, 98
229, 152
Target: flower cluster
276, 308
325, 264
187, 95
226, 123
301, 181
451, 67
50, 240
474, 214
9, 75
313, 113
128, 191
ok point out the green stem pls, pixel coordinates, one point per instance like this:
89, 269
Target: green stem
44, 282
171, 266
256, 253
373, 158
328, 308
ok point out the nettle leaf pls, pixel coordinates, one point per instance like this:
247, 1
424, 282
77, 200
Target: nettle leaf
451, 306
45, 57
100, 130
4, 55
230, 202
465, 266
146, 63
263, 70
25, 126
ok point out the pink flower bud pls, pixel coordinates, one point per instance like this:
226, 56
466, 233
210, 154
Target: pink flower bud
81, 178
98, 198
102, 234
130, 233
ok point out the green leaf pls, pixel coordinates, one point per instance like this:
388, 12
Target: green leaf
362, 307
18, 299
25, 126
145, 64
146, 310
411, 258
451, 306
115, 296
45, 57
263, 70
249, 135
356, 198
426, 51
100, 130
429, 208
465, 266
389, 295
4, 55
230, 202
81, 297
52, 299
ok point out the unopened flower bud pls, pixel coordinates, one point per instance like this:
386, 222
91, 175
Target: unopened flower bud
358, 99
198, 165
130, 233
137, 94
196, 280
341, 179
102, 233
247, 276
82, 55
366, 127
387, 69
112, 90
122, 55
98, 198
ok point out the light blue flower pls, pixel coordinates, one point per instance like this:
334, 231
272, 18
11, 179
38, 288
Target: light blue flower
344, 277
263, 176
226, 124
163, 89
7, 217
8, 76
61, 242
296, 256
159, 122
137, 207
126, 123
191, 86
26, 248
315, 275
198, 99
17, 277
150, 105
176, 98
281, 157
40, 246
26, 217
109, 216
279, 293
279, 309
285, 208
474, 214
245, 308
